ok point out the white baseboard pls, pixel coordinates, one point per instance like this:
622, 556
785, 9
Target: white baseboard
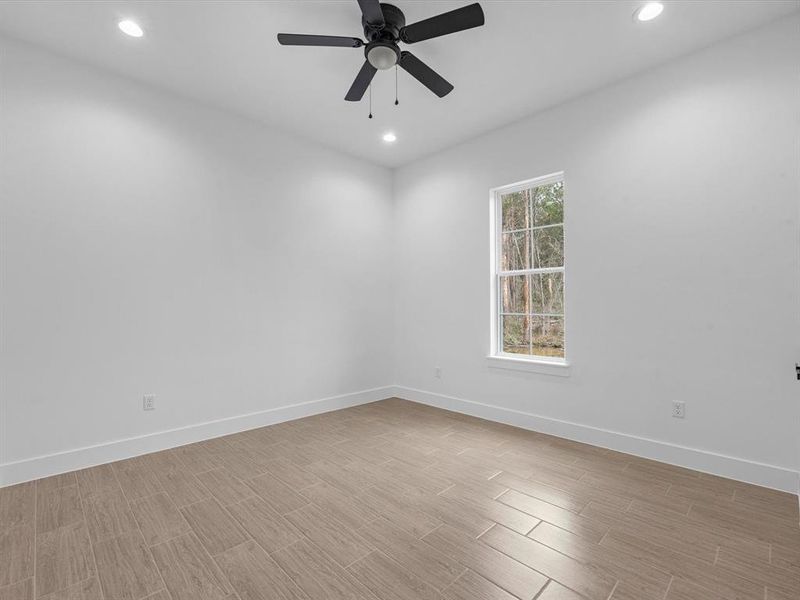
81, 458
770, 476
717, 464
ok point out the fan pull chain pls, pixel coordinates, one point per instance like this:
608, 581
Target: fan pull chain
370, 100
396, 101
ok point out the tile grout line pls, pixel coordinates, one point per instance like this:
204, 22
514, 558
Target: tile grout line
494, 523
538, 542
452, 583
141, 534
449, 487
600, 543
501, 494
548, 502
213, 560
91, 542
345, 570
669, 586
541, 592
613, 589
173, 538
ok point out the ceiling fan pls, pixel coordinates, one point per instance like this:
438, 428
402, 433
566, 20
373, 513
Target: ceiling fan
385, 27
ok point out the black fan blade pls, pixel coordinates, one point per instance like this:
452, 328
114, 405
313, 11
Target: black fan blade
425, 75
360, 85
371, 9
300, 39
443, 24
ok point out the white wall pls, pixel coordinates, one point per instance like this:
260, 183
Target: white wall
150, 245
682, 193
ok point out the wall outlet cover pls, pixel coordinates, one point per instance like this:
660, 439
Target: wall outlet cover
679, 409
149, 402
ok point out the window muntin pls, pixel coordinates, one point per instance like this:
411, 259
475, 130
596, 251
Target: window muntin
529, 269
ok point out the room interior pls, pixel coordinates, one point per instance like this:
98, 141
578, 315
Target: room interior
425, 300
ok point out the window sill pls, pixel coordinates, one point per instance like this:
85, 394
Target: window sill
531, 365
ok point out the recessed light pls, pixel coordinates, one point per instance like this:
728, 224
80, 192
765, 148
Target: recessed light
131, 28
649, 11
389, 137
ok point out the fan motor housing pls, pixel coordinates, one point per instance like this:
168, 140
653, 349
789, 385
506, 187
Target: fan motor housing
394, 20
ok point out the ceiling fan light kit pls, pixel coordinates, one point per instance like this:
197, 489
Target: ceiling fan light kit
383, 55
384, 29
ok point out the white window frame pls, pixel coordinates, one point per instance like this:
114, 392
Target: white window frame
497, 358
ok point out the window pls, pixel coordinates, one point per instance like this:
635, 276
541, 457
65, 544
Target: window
528, 270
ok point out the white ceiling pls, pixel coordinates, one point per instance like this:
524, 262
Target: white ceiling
530, 55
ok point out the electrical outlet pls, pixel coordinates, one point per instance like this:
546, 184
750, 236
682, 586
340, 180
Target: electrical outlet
679, 409
149, 402
438, 373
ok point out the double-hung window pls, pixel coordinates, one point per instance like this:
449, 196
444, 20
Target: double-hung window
528, 271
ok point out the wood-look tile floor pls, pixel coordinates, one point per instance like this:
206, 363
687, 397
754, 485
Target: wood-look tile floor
395, 501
